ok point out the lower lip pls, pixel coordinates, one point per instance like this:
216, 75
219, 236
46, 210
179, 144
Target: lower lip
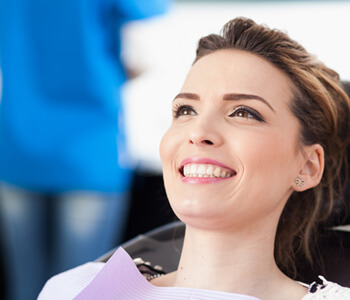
203, 180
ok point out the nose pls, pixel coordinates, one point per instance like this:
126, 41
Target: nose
205, 133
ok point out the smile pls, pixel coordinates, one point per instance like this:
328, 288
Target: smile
206, 170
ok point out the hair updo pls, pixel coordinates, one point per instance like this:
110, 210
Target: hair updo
322, 107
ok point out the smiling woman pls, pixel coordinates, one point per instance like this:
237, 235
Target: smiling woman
238, 124
253, 163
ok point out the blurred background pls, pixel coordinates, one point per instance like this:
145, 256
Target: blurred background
157, 52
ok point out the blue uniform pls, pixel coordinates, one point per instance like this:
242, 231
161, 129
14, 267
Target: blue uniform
60, 125
61, 131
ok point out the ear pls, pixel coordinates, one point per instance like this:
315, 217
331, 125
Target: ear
312, 168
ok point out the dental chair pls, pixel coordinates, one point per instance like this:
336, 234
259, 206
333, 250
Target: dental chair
161, 246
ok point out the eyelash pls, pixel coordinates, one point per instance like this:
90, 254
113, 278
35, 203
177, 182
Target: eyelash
257, 116
179, 108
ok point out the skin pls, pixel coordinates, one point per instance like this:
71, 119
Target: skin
233, 111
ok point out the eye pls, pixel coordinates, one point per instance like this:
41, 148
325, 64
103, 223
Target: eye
247, 113
183, 110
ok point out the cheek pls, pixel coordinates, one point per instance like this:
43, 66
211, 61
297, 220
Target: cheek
271, 156
164, 150
268, 166
167, 148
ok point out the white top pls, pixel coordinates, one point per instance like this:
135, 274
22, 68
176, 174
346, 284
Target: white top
119, 278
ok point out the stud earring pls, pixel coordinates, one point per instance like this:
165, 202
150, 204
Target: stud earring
299, 182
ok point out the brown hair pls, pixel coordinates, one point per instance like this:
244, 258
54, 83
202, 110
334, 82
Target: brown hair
322, 108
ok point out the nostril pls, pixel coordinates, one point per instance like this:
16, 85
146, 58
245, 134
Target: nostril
198, 142
208, 142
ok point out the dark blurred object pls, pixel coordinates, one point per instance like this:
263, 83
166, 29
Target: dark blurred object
161, 246
3, 283
333, 261
346, 85
149, 205
341, 209
346, 212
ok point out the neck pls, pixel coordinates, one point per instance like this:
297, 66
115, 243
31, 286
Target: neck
236, 262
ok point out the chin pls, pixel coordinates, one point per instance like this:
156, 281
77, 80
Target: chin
196, 212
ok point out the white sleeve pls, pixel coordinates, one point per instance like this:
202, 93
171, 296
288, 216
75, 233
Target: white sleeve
329, 291
67, 285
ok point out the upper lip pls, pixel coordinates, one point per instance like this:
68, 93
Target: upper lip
204, 160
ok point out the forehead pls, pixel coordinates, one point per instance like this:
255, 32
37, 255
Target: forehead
227, 71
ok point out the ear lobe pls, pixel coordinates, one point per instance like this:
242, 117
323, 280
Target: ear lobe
312, 169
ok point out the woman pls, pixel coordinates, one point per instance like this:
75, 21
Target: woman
252, 165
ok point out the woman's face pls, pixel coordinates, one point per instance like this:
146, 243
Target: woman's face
231, 154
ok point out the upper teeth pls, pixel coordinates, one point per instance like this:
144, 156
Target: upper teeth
206, 170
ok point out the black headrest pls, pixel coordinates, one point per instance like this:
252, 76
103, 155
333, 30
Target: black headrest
346, 85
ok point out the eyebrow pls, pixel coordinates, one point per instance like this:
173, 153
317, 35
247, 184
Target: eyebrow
189, 96
227, 97
247, 97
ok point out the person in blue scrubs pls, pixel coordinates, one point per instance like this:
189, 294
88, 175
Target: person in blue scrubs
64, 173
